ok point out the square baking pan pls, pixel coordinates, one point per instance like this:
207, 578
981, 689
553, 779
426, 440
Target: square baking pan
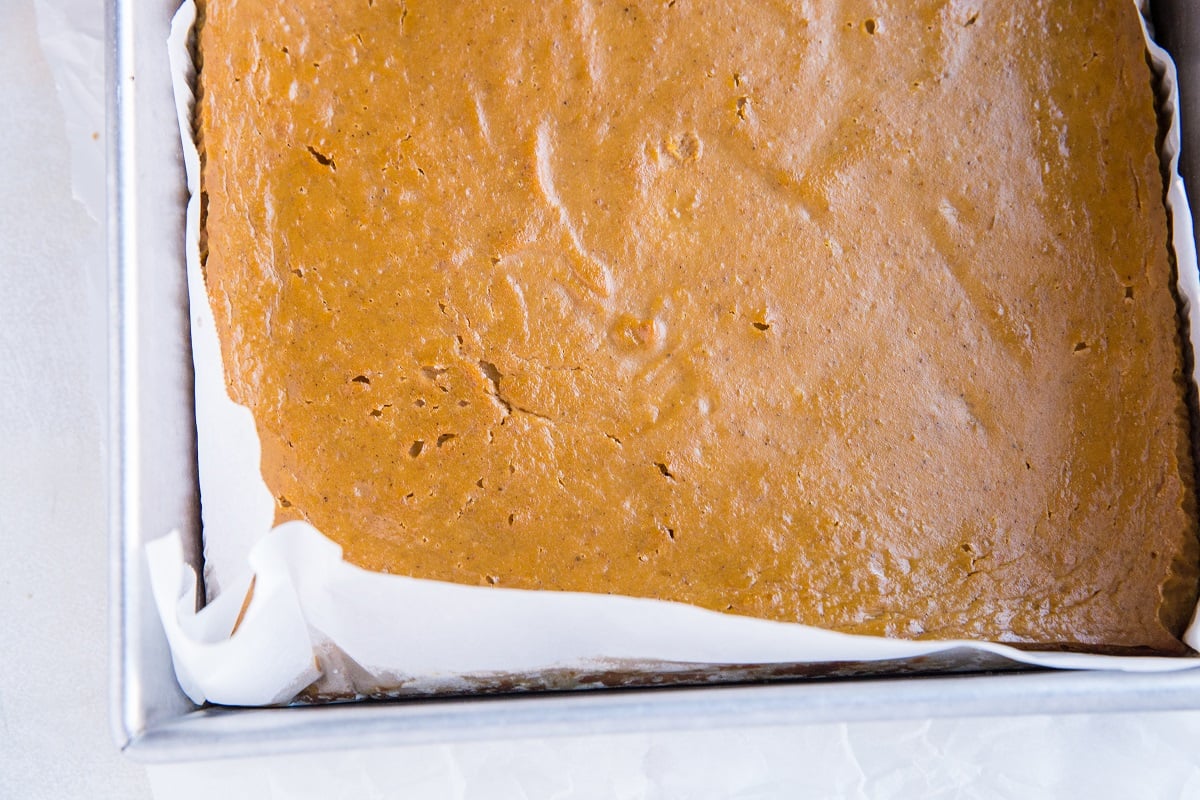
154, 489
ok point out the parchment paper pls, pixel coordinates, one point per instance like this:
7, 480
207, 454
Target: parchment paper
316, 621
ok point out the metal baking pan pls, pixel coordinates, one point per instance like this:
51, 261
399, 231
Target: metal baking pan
153, 489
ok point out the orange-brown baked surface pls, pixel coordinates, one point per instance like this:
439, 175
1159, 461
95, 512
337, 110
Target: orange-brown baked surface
845, 313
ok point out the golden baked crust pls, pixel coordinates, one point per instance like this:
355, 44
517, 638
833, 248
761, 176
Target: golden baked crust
857, 319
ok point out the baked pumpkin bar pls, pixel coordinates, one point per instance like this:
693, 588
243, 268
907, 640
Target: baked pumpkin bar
858, 315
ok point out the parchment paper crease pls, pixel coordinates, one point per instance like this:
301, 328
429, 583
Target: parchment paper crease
314, 618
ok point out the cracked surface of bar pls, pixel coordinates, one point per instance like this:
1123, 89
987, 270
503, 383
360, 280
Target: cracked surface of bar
791, 310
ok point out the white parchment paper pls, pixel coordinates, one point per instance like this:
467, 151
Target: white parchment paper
72, 40
314, 618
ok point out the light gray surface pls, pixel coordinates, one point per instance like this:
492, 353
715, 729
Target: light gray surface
151, 424
54, 733
1028, 758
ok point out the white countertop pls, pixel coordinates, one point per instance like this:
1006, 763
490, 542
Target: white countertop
54, 736
54, 730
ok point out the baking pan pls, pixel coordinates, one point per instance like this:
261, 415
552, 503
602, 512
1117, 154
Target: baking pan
153, 489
